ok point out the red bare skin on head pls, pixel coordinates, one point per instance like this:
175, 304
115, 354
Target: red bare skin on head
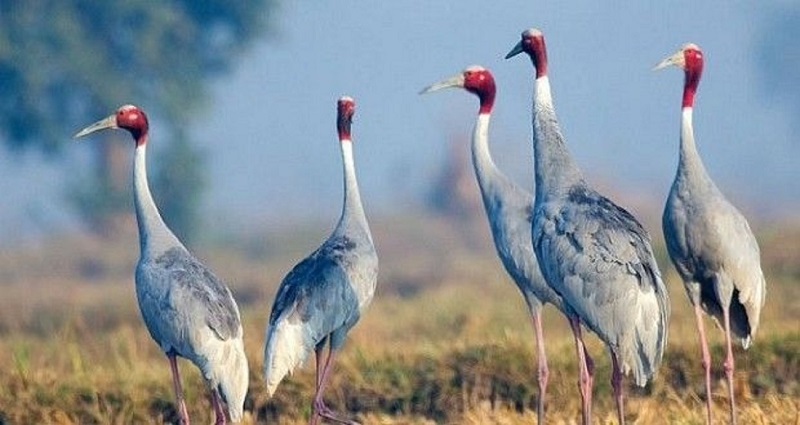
346, 107
693, 69
133, 119
533, 45
481, 82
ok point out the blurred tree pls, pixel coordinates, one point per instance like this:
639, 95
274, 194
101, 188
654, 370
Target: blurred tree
454, 192
182, 183
65, 63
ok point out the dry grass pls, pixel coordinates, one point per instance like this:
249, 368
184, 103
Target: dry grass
447, 339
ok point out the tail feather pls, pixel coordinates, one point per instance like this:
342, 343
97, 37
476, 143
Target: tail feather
228, 372
643, 355
286, 349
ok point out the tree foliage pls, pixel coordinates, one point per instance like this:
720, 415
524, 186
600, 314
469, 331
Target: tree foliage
65, 63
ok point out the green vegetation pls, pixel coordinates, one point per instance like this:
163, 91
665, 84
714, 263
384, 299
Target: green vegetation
67, 63
447, 339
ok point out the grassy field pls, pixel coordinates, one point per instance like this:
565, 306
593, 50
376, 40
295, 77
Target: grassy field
447, 339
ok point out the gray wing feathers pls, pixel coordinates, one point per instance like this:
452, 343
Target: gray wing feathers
599, 259
510, 212
317, 299
717, 255
178, 294
190, 312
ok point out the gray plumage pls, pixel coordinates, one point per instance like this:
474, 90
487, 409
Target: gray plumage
188, 311
598, 257
592, 252
712, 247
191, 313
509, 209
325, 294
709, 240
321, 298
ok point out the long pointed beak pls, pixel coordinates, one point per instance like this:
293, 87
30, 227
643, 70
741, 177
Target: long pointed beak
454, 81
675, 59
515, 51
107, 122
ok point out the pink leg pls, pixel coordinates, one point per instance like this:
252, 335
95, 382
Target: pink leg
219, 412
543, 372
586, 369
318, 407
176, 382
728, 365
706, 359
320, 365
616, 384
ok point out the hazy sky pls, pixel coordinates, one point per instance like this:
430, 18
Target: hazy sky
270, 133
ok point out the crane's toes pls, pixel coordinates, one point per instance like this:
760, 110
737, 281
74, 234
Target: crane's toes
324, 412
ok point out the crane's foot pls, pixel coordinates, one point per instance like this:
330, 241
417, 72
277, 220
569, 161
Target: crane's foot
183, 413
322, 411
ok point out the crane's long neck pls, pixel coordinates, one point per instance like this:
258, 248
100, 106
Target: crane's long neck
690, 166
353, 216
485, 170
555, 170
154, 236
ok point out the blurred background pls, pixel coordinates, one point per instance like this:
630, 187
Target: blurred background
242, 103
244, 165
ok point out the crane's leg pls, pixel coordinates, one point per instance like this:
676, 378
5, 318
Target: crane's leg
728, 365
586, 369
698, 314
319, 358
616, 384
543, 372
219, 411
318, 407
176, 383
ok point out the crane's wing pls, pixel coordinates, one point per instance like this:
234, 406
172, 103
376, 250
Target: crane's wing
178, 295
746, 275
314, 300
510, 212
598, 257
717, 255
197, 285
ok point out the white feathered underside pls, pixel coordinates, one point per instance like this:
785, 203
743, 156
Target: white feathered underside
226, 369
647, 344
286, 349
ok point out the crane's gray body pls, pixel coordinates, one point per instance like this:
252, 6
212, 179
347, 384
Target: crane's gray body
594, 253
509, 209
324, 295
711, 244
188, 311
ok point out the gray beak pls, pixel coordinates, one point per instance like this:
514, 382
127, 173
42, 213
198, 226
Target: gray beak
454, 81
515, 51
675, 59
107, 122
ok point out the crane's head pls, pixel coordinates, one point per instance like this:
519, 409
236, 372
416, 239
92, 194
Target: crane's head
689, 58
345, 108
475, 79
127, 117
532, 43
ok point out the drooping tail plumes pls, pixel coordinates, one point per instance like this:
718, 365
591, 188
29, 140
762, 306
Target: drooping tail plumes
228, 372
649, 341
286, 349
